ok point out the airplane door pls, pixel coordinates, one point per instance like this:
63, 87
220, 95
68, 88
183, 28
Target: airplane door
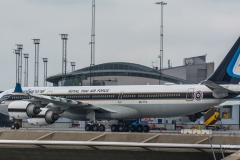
190, 94
120, 97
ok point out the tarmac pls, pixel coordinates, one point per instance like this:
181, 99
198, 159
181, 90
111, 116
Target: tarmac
68, 152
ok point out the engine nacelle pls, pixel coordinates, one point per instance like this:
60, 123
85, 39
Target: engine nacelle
23, 110
45, 117
194, 117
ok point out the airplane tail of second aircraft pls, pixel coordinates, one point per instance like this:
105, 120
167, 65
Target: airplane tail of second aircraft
228, 72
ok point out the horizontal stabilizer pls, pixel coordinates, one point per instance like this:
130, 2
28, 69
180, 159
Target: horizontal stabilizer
219, 91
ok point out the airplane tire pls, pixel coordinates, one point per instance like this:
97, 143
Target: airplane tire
139, 128
132, 128
102, 128
146, 128
121, 128
17, 126
95, 127
88, 127
114, 128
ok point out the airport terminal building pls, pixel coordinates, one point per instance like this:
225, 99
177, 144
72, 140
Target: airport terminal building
193, 71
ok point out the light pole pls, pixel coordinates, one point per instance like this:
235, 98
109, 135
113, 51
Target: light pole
161, 40
26, 56
17, 52
73, 64
45, 60
92, 63
20, 48
160, 69
36, 66
64, 38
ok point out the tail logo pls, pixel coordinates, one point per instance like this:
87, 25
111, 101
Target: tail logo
233, 68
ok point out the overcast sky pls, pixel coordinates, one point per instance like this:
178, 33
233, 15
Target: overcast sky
126, 31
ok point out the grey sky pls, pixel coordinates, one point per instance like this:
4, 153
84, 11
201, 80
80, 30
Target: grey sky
126, 31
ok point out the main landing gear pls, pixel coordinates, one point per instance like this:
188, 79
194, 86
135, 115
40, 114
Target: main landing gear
95, 127
140, 128
118, 128
131, 128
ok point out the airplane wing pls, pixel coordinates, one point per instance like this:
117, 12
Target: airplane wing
62, 104
57, 100
219, 91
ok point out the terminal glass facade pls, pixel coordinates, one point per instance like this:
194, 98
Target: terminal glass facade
70, 81
113, 69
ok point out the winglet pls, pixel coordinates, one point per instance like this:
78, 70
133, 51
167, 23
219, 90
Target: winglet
18, 88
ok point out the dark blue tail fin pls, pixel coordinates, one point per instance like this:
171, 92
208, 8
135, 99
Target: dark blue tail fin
228, 72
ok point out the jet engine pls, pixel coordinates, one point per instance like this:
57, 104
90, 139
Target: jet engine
45, 117
23, 110
194, 117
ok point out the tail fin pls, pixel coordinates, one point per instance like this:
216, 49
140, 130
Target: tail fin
228, 72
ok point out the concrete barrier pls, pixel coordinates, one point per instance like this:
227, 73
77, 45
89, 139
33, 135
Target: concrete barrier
195, 131
126, 153
204, 131
186, 131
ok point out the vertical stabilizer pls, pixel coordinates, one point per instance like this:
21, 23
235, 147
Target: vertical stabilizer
228, 72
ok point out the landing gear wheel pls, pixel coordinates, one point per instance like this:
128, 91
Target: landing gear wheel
121, 128
132, 128
146, 128
126, 128
114, 128
88, 127
95, 127
139, 128
102, 128
17, 126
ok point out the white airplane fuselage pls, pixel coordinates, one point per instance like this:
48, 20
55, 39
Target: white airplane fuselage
129, 102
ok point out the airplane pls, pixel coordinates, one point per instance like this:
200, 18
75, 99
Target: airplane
44, 105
